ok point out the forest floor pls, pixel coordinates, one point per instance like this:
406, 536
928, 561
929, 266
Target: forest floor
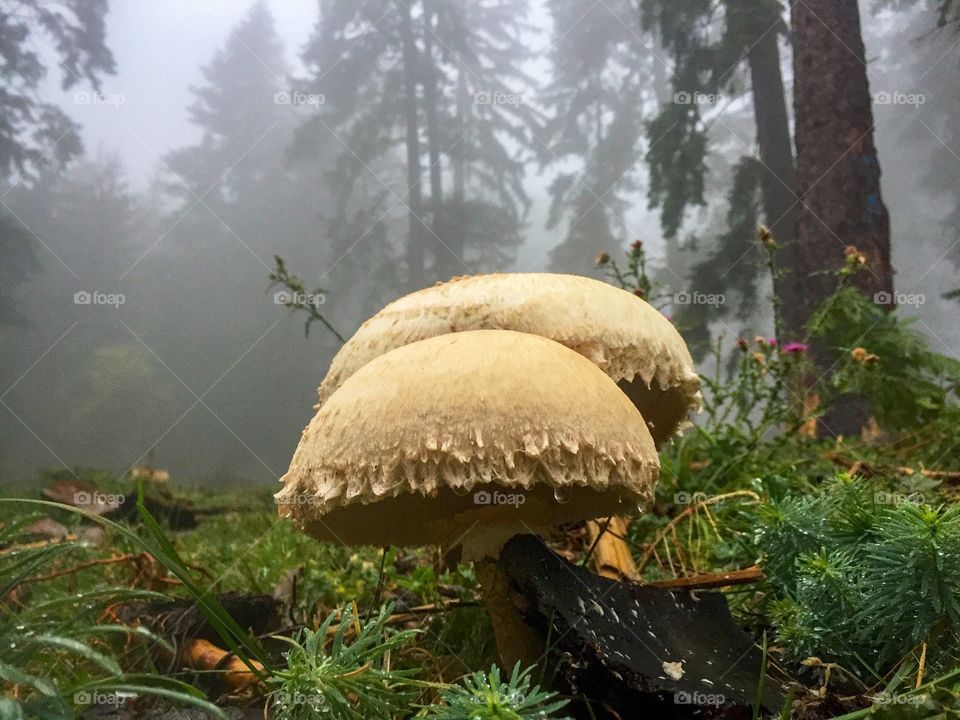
145, 572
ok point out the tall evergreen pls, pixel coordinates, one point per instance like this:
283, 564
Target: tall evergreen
596, 99
438, 82
743, 56
34, 132
838, 173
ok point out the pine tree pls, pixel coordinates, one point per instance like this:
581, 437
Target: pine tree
596, 98
31, 130
763, 186
414, 76
838, 175
235, 199
859, 578
34, 133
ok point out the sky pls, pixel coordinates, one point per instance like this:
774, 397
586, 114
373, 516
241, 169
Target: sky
143, 113
159, 50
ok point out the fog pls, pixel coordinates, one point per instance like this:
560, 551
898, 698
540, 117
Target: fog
137, 311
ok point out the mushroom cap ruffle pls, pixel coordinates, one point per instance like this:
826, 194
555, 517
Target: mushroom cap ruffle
622, 334
466, 439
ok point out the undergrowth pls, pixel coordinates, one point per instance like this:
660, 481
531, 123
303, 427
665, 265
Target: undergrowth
857, 541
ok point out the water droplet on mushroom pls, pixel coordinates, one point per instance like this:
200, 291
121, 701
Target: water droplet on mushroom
562, 494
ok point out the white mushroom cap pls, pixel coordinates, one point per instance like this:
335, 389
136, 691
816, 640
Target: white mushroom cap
467, 439
622, 334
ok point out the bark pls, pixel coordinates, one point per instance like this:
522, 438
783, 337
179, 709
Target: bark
416, 255
838, 174
776, 148
446, 251
459, 161
433, 129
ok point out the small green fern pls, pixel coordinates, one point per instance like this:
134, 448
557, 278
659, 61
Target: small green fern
484, 696
859, 581
350, 680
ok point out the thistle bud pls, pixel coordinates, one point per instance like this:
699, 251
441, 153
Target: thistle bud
862, 356
765, 237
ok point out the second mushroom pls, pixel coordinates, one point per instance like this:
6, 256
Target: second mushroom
487, 407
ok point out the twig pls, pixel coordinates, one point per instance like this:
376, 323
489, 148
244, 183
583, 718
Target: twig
38, 544
414, 613
687, 512
706, 581
923, 666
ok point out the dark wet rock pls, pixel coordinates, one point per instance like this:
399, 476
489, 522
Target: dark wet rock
632, 649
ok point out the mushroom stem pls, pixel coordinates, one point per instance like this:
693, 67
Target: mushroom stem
516, 641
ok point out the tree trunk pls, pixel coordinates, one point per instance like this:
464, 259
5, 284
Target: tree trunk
416, 245
459, 161
430, 99
838, 173
776, 148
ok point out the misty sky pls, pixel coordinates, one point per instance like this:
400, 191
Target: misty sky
160, 49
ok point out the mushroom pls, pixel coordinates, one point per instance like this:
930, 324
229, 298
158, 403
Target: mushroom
466, 439
622, 334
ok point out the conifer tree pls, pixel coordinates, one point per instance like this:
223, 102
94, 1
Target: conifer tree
425, 78
596, 100
744, 55
34, 132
